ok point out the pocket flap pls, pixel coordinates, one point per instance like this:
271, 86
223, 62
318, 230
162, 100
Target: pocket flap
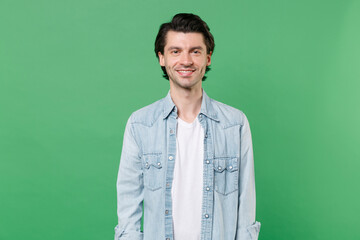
152, 160
230, 164
219, 164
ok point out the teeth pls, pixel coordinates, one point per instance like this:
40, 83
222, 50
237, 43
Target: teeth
185, 71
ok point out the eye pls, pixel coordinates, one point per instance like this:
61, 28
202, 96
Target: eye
196, 52
175, 51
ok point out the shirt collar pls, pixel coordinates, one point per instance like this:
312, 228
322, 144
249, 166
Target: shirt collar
206, 109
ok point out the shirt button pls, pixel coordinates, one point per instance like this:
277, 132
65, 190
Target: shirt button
207, 161
146, 164
167, 238
207, 189
159, 164
166, 212
200, 116
171, 131
206, 215
230, 167
205, 135
168, 184
219, 168
171, 158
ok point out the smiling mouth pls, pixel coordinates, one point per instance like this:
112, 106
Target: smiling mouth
185, 72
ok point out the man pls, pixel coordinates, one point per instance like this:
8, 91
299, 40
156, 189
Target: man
187, 160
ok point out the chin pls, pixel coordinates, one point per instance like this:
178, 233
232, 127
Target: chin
188, 85
184, 82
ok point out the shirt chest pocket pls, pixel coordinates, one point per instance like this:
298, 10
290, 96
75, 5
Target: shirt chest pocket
226, 175
153, 173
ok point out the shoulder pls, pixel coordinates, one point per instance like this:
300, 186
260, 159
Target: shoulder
147, 115
228, 115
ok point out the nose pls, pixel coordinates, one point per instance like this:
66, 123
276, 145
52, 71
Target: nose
186, 59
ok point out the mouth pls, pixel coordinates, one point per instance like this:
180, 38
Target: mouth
185, 72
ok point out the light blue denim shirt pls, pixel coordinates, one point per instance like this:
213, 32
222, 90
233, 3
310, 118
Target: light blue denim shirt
146, 174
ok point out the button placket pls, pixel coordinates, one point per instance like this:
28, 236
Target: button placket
171, 153
208, 174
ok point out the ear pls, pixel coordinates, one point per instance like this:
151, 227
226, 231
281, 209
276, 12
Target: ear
161, 59
208, 59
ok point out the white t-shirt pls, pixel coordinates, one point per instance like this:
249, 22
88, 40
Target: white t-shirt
187, 185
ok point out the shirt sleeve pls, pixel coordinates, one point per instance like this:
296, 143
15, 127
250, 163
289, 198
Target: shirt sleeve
248, 228
129, 189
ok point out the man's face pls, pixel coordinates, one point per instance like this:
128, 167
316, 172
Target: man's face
185, 58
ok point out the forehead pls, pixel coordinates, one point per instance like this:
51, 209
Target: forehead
181, 39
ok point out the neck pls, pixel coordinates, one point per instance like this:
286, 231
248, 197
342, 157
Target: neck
188, 102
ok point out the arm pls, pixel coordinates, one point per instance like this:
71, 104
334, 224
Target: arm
129, 189
248, 228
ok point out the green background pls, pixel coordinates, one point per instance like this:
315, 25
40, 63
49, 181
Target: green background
71, 73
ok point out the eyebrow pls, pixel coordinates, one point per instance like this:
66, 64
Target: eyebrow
193, 48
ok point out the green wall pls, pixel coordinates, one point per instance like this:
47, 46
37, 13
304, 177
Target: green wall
71, 73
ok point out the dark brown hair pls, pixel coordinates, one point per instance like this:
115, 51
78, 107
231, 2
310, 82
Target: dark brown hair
184, 22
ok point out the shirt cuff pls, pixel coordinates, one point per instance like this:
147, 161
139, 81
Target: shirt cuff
249, 233
120, 234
